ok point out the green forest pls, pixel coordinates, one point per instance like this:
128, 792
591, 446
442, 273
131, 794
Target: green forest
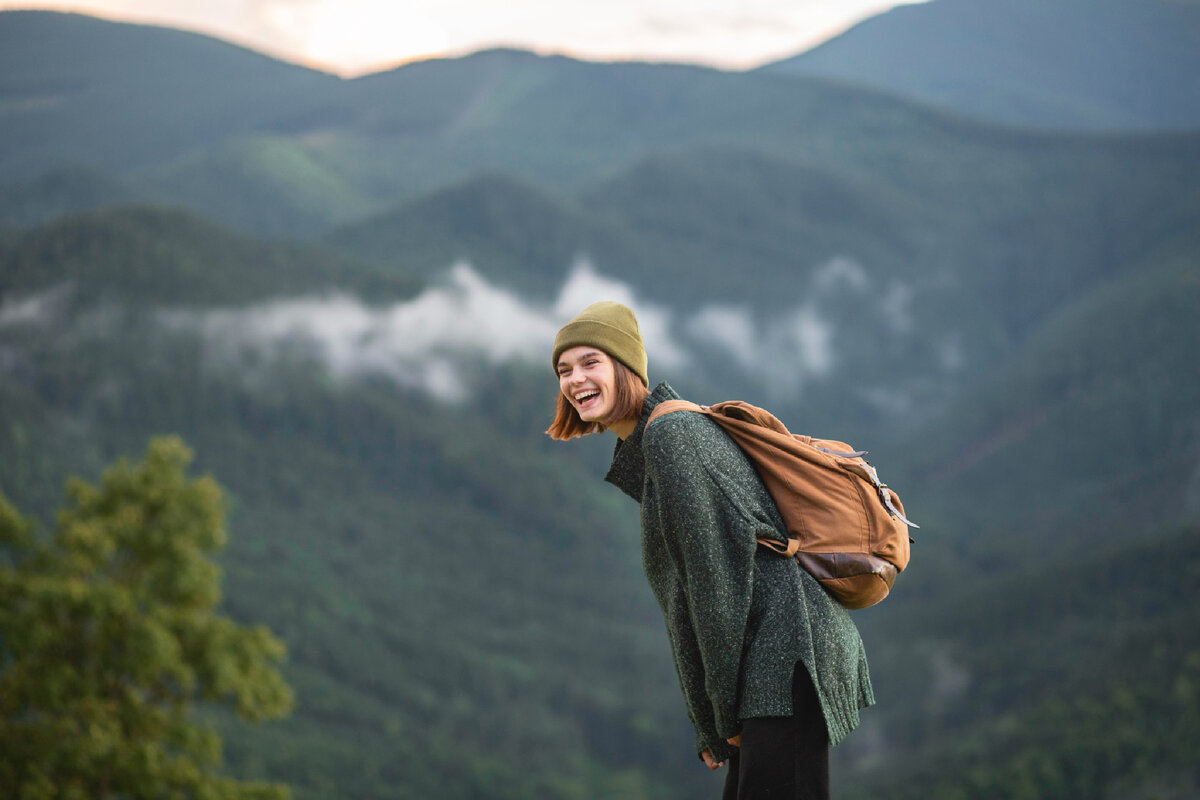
338, 297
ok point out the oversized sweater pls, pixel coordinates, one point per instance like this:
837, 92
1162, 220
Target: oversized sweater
738, 616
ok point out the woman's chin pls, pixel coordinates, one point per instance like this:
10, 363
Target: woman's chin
592, 415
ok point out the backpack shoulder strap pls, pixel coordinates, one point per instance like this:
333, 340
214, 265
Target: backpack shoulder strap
668, 406
740, 411
727, 415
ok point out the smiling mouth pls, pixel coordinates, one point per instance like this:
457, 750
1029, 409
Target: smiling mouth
583, 398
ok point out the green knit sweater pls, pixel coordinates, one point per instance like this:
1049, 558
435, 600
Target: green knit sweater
738, 616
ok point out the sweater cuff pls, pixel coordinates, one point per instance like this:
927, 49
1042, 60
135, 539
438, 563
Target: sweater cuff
721, 750
714, 740
726, 722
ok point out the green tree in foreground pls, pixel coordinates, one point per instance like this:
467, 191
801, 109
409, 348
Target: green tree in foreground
108, 635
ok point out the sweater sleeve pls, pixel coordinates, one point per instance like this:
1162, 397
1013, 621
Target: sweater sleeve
710, 539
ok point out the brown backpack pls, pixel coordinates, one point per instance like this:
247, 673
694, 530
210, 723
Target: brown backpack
844, 526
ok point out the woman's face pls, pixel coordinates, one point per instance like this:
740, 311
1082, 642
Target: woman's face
587, 379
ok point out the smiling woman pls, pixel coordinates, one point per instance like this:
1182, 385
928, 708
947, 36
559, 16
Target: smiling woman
772, 669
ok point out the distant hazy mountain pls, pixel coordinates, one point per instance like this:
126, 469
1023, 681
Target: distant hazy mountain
115, 96
1085, 64
274, 148
154, 255
516, 233
58, 192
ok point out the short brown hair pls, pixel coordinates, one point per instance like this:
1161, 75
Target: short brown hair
630, 394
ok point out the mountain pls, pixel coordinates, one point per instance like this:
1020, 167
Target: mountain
290, 152
1071, 64
152, 255
259, 183
116, 96
1112, 375
61, 191
344, 303
520, 235
1045, 681
278, 149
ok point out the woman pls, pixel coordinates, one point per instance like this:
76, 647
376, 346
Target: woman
772, 668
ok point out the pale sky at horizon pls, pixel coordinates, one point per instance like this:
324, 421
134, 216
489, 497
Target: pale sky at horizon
352, 37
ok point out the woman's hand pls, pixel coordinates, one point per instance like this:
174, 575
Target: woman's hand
736, 741
709, 761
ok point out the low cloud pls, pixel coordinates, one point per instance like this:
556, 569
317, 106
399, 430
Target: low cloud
894, 307
424, 343
35, 310
785, 350
729, 329
781, 352
840, 272
432, 342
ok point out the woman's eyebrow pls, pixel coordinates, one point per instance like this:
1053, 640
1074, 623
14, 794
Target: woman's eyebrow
583, 357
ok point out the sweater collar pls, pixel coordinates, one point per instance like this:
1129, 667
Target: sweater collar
628, 470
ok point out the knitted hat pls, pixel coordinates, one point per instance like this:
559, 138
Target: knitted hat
611, 327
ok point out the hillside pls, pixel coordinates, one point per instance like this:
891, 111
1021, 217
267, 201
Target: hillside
1109, 387
556, 122
1060, 678
148, 255
518, 234
1070, 64
61, 191
116, 96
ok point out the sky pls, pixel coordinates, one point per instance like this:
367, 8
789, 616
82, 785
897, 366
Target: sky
353, 37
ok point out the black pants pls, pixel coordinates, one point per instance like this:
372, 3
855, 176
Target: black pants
783, 758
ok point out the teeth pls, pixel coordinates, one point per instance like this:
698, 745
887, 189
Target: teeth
579, 398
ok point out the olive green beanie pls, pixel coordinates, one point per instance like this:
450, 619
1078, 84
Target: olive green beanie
611, 327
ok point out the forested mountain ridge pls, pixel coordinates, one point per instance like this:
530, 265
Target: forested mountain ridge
78, 89
1006, 319
1074, 64
319, 151
148, 254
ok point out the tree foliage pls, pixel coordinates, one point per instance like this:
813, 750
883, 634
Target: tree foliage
109, 635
